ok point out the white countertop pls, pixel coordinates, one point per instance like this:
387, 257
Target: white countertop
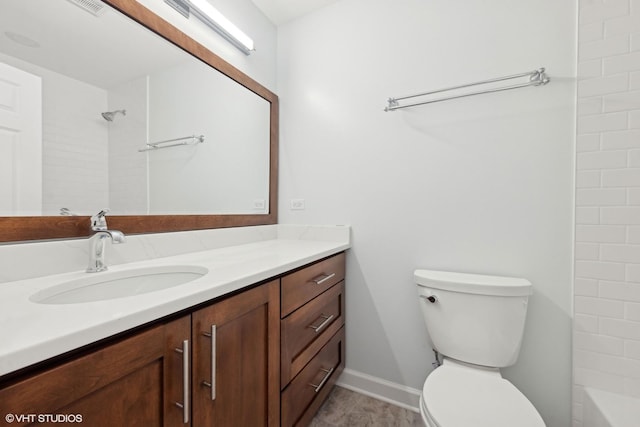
33, 332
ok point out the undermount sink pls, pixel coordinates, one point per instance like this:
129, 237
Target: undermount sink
118, 284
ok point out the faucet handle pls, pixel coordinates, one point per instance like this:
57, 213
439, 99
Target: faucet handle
99, 221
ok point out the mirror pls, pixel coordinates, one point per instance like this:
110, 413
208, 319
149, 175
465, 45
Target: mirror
143, 120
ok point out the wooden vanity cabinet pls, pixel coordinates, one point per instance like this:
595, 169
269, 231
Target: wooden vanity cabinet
312, 337
236, 360
136, 380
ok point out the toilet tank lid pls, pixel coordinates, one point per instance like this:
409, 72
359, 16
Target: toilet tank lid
473, 283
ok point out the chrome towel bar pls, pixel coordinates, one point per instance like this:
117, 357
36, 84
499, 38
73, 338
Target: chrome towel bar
185, 140
536, 78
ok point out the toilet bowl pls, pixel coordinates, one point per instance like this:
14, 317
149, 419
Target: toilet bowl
476, 322
459, 395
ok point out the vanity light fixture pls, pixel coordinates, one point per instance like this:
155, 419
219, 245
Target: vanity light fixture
205, 12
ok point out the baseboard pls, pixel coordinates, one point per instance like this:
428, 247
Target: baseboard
387, 391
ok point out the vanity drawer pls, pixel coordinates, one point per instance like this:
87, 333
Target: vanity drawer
305, 394
304, 285
308, 329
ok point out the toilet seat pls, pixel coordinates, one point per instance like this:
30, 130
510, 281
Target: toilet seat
457, 394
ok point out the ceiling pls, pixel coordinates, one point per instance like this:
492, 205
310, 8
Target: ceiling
102, 50
282, 11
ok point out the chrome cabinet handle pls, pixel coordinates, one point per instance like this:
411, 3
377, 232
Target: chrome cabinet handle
321, 326
185, 381
212, 384
323, 278
324, 380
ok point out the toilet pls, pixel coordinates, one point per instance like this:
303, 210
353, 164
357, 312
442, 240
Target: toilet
476, 324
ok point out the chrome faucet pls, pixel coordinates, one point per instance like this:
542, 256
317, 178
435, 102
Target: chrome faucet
97, 241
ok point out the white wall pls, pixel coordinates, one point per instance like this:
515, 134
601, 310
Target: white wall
128, 191
482, 184
233, 160
607, 284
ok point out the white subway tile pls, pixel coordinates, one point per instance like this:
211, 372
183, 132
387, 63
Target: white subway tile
632, 387
586, 287
586, 215
588, 179
620, 26
588, 106
599, 307
600, 11
632, 349
620, 253
621, 63
597, 379
610, 364
607, 48
621, 101
591, 32
633, 196
623, 291
619, 328
585, 323
589, 69
598, 343
577, 394
634, 80
632, 311
634, 158
602, 122
601, 197
588, 142
629, 215
587, 252
600, 233
634, 119
621, 177
635, 42
633, 273
598, 270
603, 85
601, 160
633, 234
576, 411
621, 139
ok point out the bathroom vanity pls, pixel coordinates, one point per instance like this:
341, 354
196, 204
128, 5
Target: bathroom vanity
259, 340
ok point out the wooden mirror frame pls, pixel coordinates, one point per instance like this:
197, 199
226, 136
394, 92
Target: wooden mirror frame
14, 229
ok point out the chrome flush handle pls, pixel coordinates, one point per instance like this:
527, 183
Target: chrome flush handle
431, 298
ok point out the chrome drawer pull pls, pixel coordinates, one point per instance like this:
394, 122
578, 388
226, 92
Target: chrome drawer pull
324, 380
323, 278
185, 381
212, 384
321, 326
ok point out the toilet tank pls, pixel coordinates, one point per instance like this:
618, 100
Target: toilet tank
474, 318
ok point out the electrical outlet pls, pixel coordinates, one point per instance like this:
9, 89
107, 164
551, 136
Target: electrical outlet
297, 204
259, 204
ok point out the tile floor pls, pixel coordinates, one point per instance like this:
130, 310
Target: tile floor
345, 408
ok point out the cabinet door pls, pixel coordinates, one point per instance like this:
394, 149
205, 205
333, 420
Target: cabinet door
236, 360
120, 384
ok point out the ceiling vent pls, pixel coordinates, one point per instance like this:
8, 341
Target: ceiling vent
94, 7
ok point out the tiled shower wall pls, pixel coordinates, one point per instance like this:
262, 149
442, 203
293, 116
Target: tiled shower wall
606, 343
